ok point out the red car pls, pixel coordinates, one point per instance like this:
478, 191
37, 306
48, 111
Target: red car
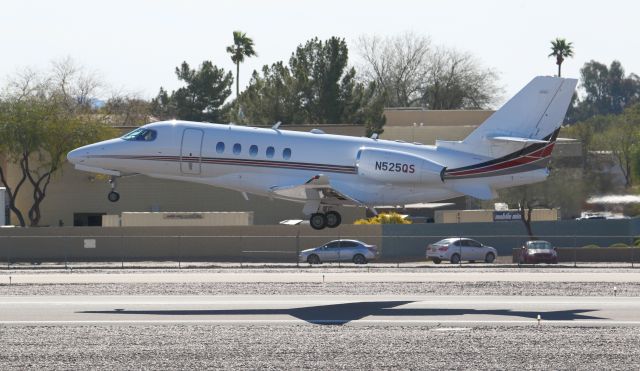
533, 252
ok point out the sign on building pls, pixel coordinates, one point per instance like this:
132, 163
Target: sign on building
506, 215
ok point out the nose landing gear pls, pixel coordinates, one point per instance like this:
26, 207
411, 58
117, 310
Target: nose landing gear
319, 220
113, 196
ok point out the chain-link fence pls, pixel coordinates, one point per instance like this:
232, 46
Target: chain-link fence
388, 250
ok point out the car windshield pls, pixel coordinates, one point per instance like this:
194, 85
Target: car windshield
141, 135
539, 245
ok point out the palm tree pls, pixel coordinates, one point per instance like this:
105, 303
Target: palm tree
242, 47
560, 49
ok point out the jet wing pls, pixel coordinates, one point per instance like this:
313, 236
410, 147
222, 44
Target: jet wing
318, 188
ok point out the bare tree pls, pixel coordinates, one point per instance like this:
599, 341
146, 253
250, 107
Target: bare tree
411, 72
454, 80
73, 84
127, 109
397, 65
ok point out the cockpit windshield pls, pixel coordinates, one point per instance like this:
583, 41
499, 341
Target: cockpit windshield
141, 135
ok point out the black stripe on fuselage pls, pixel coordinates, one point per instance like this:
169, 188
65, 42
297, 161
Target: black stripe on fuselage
239, 162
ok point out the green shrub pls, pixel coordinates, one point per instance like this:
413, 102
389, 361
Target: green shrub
384, 218
619, 244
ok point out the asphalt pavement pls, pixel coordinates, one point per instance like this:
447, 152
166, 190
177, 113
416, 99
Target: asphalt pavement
383, 310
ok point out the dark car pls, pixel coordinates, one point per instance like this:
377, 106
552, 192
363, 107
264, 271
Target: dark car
533, 252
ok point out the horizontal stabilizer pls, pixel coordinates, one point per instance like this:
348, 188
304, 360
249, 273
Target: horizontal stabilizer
518, 140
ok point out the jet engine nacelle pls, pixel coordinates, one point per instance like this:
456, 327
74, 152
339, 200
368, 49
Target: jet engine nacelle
397, 167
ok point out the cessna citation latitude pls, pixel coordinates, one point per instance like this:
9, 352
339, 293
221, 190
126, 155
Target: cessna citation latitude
512, 147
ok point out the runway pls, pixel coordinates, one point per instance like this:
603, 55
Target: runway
379, 310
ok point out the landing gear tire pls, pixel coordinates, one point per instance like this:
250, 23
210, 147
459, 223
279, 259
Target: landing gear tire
318, 221
113, 196
333, 219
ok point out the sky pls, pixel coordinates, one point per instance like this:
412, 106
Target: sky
135, 45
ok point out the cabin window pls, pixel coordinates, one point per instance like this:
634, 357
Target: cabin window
270, 152
286, 153
237, 148
141, 135
220, 147
253, 150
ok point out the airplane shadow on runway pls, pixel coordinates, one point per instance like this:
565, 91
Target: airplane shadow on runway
339, 314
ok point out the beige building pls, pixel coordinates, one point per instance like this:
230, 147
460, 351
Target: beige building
80, 198
485, 216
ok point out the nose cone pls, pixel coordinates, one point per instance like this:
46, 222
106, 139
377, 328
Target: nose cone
77, 156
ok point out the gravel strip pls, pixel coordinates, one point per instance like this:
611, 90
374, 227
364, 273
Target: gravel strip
333, 288
326, 267
317, 347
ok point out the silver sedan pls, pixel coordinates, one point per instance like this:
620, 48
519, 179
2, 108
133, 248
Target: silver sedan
455, 249
340, 250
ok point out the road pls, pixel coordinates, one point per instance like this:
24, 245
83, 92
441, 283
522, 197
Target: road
387, 310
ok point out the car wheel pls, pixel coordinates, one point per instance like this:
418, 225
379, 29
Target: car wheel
455, 259
313, 259
490, 257
437, 260
359, 259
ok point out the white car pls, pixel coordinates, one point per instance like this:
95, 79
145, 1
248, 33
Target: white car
455, 249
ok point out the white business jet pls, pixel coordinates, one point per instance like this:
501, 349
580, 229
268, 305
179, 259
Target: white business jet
512, 147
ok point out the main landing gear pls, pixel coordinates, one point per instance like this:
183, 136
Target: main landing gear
330, 219
113, 196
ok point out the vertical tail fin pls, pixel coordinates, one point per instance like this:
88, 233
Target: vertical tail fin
532, 116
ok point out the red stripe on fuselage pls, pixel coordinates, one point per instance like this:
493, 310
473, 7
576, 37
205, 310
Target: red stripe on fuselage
522, 160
